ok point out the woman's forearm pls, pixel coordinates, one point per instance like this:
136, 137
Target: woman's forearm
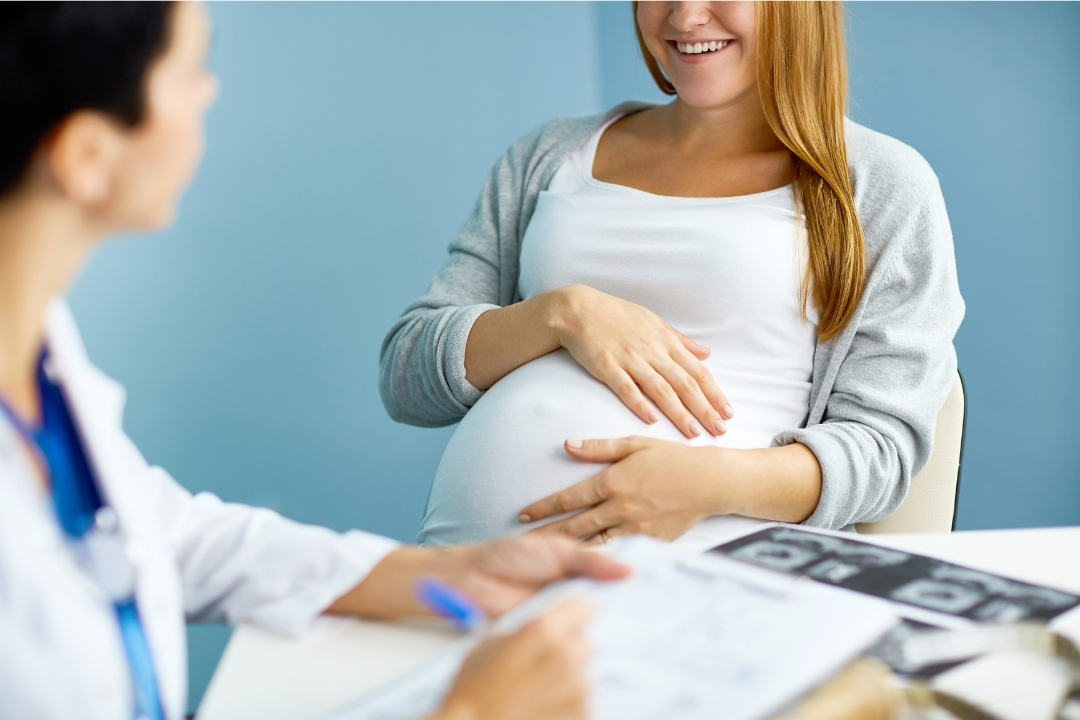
777, 483
504, 339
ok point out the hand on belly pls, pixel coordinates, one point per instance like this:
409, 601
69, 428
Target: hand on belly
652, 487
508, 452
640, 357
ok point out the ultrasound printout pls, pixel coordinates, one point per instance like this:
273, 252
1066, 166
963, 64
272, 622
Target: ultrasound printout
897, 576
683, 638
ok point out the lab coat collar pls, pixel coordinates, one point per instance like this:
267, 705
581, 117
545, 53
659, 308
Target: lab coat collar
96, 403
95, 400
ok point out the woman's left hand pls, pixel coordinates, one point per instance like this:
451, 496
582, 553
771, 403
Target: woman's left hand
653, 487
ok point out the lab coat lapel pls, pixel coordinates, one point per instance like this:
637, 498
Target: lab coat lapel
96, 403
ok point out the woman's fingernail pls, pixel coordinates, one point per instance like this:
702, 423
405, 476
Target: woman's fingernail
524, 518
728, 411
653, 417
720, 426
574, 443
695, 429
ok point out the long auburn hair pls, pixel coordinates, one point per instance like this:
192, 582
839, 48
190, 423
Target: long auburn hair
802, 82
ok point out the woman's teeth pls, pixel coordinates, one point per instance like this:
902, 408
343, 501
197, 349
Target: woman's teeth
694, 48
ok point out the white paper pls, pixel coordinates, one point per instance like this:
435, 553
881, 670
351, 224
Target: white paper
686, 636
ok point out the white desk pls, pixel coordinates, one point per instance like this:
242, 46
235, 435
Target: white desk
266, 677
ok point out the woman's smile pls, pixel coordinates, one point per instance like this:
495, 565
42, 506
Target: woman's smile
697, 51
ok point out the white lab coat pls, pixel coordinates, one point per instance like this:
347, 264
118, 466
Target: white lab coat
61, 655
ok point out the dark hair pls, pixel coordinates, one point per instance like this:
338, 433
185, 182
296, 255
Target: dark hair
60, 57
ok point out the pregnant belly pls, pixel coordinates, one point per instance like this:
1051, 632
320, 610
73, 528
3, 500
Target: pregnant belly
508, 450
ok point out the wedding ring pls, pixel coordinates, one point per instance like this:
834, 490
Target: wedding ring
604, 537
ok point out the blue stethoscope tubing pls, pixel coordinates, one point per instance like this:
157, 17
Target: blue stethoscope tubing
91, 526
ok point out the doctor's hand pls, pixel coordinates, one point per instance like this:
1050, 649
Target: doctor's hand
627, 347
653, 487
537, 673
496, 575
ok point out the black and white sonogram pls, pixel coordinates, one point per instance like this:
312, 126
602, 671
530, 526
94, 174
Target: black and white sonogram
899, 576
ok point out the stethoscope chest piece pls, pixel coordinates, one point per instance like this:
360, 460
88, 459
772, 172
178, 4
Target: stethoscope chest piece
103, 553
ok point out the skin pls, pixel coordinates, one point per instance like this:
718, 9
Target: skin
535, 673
550, 651
92, 178
712, 141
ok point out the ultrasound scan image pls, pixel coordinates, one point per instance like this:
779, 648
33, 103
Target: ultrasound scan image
897, 576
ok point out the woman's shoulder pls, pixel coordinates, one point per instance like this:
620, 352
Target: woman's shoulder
898, 199
886, 172
557, 138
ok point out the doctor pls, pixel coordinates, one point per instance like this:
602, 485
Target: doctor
103, 556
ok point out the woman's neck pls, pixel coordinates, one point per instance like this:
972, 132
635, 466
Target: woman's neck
737, 128
683, 151
44, 242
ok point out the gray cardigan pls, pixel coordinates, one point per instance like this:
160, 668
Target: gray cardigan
876, 387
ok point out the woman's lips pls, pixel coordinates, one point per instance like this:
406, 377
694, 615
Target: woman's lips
698, 51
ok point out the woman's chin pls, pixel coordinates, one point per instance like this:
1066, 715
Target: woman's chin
704, 94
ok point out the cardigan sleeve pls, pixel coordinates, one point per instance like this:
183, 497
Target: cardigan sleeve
878, 426
422, 361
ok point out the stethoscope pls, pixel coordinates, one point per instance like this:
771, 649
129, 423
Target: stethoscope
98, 542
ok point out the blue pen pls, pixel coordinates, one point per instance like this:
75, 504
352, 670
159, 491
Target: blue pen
450, 603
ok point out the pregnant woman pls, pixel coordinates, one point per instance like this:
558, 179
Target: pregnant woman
739, 304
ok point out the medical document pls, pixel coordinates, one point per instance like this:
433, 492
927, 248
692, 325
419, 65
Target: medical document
686, 636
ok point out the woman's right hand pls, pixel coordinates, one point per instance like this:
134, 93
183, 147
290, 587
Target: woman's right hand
536, 673
635, 353
625, 346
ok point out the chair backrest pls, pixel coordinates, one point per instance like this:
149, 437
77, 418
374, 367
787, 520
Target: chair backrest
930, 505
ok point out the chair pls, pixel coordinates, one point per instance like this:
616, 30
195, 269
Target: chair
930, 505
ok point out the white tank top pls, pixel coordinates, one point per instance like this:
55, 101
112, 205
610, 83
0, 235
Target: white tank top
725, 271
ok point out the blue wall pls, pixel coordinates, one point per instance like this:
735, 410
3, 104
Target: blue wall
349, 143
989, 93
340, 164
